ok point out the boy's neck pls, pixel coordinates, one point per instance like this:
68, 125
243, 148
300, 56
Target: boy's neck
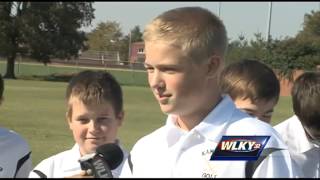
188, 122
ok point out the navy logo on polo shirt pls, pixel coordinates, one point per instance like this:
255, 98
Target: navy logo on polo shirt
239, 147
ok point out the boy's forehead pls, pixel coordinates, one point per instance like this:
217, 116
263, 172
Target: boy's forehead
164, 52
76, 99
254, 104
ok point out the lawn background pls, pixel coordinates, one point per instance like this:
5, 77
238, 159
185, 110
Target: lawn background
35, 109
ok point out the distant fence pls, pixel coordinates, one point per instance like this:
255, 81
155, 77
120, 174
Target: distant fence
102, 59
127, 73
110, 59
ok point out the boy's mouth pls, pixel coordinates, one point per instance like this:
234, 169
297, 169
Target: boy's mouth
96, 138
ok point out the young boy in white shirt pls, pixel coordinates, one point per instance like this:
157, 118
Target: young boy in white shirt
301, 132
15, 159
253, 87
94, 114
184, 49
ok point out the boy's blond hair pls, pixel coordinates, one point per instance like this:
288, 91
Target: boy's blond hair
197, 31
95, 87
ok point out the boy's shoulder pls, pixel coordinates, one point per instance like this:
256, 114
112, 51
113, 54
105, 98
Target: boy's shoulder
10, 134
291, 122
243, 123
251, 126
60, 158
10, 139
152, 139
57, 164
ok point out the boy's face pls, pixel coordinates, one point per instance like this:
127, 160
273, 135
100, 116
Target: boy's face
177, 83
261, 109
93, 125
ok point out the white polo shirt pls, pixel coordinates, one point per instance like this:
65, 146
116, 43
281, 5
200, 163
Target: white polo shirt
66, 164
15, 160
305, 153
172, 152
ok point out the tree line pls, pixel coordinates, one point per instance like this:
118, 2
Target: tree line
301, 52
46, 30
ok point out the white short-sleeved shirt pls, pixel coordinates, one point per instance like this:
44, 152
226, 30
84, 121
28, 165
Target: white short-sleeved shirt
15, 159
171, 152
305, 153
66, 164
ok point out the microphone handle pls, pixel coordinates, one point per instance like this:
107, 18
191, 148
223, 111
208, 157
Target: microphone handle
100, 168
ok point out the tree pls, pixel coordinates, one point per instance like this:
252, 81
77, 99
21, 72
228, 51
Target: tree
42, 30
311, 27
136, 34
105, 37
108, 36
300, 52
242, 49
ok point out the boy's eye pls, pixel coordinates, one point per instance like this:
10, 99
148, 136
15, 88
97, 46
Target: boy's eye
103, 119
149, 69
83, 120
169, 70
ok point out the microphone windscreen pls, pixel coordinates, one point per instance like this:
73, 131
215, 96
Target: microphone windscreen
111, 153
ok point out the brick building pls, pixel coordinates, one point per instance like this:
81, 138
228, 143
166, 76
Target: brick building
137, 52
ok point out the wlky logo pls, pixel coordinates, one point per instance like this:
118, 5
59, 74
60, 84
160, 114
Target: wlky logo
239, 147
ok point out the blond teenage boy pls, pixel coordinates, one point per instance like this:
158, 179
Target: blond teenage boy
184, 50
15, 159
94, 114
253, 87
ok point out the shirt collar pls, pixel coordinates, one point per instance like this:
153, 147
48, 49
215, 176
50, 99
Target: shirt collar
211, 127
303, 144
173, 131
72, 162
216, 122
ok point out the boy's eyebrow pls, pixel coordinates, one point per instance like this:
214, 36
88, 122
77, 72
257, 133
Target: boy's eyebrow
82, 115
162, 65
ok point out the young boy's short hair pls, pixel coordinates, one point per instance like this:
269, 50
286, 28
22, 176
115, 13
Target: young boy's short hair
195, 30
95, 87
306, 99
250, 79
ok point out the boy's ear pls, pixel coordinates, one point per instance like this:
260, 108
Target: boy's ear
120, 117
214, 65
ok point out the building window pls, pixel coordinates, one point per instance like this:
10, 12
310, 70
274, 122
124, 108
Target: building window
140, 51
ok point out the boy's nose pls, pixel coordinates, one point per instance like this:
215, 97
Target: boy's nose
156, 82
93, 125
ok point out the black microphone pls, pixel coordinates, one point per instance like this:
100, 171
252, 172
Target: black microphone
107, 157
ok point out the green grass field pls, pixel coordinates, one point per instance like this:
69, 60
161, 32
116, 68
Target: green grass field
39, 71
36, 110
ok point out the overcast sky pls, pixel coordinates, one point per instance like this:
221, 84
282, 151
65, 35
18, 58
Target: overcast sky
244, 18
